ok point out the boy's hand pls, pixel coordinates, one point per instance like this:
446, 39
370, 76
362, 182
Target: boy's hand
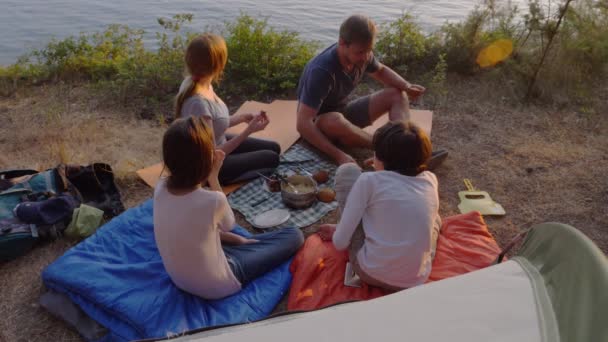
326, 231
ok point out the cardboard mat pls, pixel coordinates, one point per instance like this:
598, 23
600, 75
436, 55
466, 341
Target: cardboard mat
282, 129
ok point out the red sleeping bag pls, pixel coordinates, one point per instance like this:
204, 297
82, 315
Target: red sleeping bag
464, 245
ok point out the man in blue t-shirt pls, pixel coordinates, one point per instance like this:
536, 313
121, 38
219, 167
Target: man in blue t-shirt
324, 115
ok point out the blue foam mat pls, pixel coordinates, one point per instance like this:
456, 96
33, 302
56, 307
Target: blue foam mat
117, 277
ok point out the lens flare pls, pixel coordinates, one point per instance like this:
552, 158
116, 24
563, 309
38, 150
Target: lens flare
495, 53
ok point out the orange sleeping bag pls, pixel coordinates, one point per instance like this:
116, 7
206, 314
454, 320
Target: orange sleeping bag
464, 245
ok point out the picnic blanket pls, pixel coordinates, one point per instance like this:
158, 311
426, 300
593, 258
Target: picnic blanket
254, 198
117, 278
464, 245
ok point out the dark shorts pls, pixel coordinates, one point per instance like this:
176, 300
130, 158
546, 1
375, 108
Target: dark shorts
356, 111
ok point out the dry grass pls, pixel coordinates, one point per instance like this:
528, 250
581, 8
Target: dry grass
540, 163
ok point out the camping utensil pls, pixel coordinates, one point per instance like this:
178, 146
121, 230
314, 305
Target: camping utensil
301, 170
286, 181
299, 200
265, 177
475, 200
273, 185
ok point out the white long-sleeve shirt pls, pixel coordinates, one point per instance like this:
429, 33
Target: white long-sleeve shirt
398, 214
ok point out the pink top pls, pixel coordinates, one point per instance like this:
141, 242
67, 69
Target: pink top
186, 229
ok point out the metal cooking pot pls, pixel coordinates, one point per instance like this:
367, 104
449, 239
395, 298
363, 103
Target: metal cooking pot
300, 200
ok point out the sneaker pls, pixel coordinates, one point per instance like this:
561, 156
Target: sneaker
437, 158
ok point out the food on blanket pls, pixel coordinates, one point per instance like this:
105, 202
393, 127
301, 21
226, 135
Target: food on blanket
326, 195
300, 188
273, 184
321, 176
300, 192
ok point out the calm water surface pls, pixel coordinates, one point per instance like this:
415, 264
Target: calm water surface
30, 24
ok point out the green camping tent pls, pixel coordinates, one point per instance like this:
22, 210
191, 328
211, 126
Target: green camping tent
554, 289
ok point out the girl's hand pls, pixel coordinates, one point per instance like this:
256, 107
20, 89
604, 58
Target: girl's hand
218, 160
326, 231
246, 117
246, 241
230, 238
258, 123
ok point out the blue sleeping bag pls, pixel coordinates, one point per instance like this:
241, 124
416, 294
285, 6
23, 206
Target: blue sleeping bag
117, 278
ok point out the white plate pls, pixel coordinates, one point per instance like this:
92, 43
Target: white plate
271, 218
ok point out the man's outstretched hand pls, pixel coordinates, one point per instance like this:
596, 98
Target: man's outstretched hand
345, 158
414, 91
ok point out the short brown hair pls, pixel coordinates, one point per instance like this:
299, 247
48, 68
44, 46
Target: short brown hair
358, 29
188, 152
402, 147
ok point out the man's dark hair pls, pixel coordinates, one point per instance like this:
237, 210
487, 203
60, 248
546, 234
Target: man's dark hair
403, 147
358, 29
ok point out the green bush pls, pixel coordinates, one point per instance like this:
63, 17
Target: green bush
401, 43
462, 42
261, 60
578, 58
265, 62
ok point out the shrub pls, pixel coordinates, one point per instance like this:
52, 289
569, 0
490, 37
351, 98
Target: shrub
462, 42
401, 43
261, 60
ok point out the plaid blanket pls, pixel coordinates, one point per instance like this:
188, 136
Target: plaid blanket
254, 198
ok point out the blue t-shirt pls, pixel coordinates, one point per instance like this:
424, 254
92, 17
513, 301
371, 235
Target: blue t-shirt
324, 85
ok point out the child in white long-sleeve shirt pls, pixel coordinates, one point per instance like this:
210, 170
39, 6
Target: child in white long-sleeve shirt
397, 206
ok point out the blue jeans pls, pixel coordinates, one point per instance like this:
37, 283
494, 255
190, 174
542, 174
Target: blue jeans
250, 261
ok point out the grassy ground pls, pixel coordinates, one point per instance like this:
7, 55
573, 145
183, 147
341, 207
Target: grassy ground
540, 163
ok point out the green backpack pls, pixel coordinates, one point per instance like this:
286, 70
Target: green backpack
16, 237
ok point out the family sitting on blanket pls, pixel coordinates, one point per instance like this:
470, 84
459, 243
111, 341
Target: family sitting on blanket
390, 217
192, 225
397, 204
206, 57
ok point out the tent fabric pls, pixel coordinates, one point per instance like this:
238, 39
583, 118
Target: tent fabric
570, 277
464, 245
117, 278
493, 304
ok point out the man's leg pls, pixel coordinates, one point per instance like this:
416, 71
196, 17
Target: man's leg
396, 103
337, 128
391, 100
